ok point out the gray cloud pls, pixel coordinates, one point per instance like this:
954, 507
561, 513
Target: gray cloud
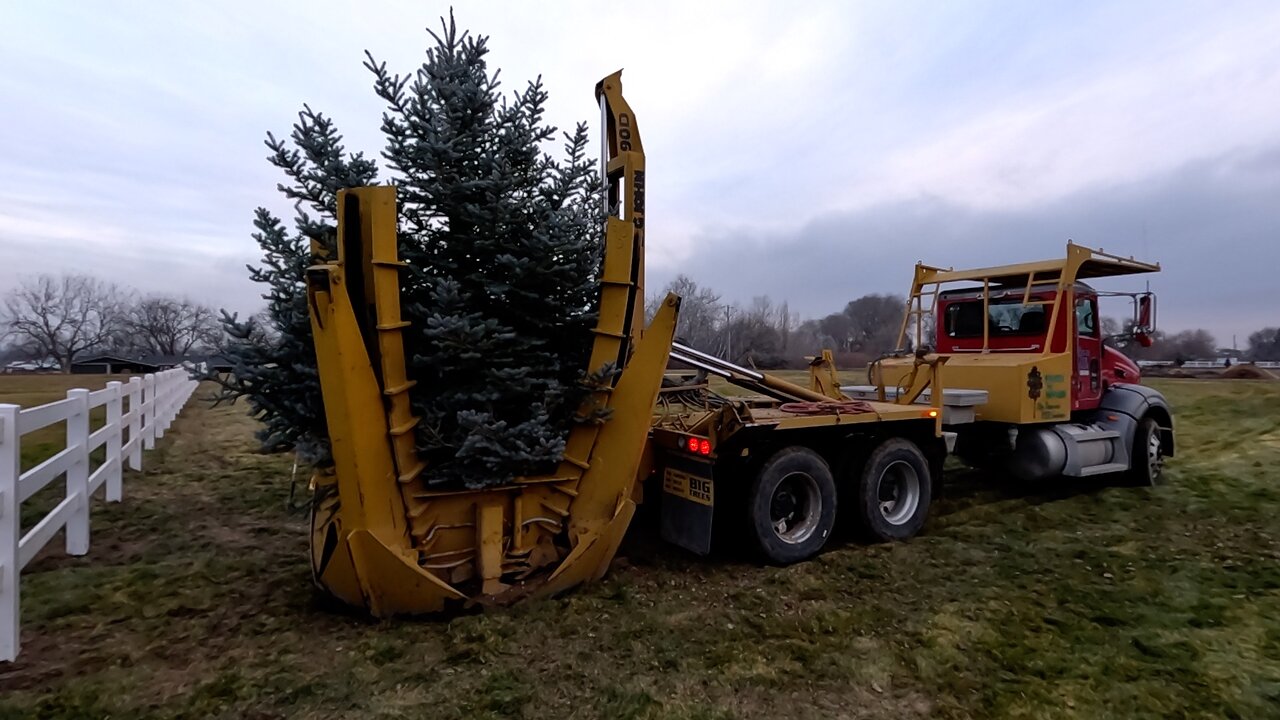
809, 155
1213, 224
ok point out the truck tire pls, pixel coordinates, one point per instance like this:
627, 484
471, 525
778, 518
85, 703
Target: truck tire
1147, 464
791, 507
894, 491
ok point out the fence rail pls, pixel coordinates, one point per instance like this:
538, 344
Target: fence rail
1202, 364
137, 413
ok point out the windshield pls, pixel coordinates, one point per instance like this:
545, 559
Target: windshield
1004, 317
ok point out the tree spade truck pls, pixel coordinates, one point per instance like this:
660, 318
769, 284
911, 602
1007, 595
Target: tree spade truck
1002, 366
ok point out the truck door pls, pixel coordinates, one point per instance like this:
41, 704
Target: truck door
1086, 384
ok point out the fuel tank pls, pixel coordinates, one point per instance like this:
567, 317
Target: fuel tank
1070, 449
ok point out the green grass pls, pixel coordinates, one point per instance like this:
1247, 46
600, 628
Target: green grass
40, 445
32, 390
1074, 601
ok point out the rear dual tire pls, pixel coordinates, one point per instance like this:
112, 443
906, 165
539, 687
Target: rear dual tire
791, 506
894, 492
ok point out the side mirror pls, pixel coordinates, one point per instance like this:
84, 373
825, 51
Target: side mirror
1144, 312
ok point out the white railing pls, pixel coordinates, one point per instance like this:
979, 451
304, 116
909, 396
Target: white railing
1201, 364
152, 403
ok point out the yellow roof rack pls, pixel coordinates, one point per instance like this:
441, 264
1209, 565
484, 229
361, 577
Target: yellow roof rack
1080, 262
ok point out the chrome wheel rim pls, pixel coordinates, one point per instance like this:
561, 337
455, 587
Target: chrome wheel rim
1155, 454
898, 492
795, 507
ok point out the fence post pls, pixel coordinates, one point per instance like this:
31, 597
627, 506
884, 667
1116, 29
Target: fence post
149, 411
162, 404
78, 473
169, 409
135, 423
179, 391
115, 440
10, 532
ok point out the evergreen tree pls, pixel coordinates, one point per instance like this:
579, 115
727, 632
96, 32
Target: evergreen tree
502, 245
272, 357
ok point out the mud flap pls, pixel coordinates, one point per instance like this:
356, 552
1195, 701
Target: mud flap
688, 502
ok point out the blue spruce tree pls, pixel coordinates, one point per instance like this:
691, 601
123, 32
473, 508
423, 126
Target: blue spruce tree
272, 357
502, 245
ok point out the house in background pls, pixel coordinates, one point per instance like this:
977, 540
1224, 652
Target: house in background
112, 365
199, 363
218, 364
168, 362
24, 367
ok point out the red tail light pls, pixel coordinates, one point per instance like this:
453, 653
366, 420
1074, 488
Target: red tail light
698, 446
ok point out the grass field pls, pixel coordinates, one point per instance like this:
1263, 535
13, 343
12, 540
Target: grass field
1073, 601
40, 445
32, 390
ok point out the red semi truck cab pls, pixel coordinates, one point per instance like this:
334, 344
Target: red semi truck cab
1023, 344
1017, 321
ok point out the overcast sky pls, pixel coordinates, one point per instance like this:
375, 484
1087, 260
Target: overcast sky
808, 151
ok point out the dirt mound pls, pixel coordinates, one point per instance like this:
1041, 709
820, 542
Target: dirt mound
1247, 372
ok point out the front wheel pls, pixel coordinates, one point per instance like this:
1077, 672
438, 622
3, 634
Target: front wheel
894, 491
1148, 454
792, 506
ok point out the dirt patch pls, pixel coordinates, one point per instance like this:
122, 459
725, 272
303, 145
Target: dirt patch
1247, 372
43, 660
1235, 372
855, 702
111, 550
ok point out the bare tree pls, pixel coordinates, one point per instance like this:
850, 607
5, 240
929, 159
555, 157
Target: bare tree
788, 321
756, 339
9, 353
806, 338
836, 330
1195, 344
171, 326
700, 312
652, 304
1158, 349
1265, 344
62, 317
874, 323
1178, 347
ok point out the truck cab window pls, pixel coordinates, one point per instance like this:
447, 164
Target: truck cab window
1086, 322
1004, 317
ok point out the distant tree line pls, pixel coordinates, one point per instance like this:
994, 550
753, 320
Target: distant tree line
1198, 344
68, 317
1177, 347
65, 318
768, 334
1264, 344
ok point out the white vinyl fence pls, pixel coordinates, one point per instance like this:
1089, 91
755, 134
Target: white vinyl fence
138, 412
1270, 364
